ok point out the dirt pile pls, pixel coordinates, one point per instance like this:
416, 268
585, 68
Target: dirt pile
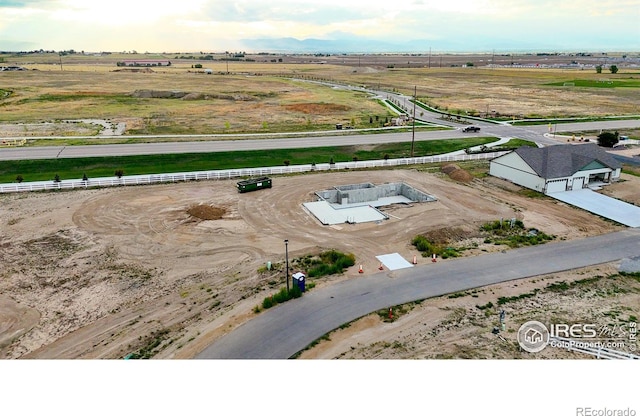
451, 234
206, 212
456, 173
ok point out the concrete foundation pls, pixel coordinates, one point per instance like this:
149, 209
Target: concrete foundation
358, 203
368, 192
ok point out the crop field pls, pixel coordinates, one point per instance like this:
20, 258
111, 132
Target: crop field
264, 94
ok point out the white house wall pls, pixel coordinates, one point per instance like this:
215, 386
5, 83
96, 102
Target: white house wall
516, 171
615, 174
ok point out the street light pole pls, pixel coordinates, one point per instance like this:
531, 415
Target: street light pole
286, 254
413, 131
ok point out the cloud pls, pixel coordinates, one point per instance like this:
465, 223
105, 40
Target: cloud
220, 24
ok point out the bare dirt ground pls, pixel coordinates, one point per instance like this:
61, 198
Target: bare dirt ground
108, 272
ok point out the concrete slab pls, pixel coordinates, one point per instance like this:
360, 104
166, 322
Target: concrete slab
605, 206
329, 215
390, 200
394, 261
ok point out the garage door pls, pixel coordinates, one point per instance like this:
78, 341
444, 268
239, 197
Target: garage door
558, 185
578, 183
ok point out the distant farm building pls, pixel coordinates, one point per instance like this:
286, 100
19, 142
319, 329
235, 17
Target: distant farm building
12, 68
402, 120
144, 62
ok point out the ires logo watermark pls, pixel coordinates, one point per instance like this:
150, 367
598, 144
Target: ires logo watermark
534, 336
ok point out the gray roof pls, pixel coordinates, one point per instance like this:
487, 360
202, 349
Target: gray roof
564, 160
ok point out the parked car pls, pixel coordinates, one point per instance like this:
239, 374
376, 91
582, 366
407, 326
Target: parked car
471, 129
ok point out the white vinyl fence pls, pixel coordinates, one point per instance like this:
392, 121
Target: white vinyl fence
234, 173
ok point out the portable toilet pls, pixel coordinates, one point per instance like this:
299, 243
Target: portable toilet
298, 279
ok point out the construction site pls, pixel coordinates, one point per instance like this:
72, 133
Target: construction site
358, 203
166, 269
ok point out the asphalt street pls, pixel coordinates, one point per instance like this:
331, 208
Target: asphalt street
533, 133
286, 329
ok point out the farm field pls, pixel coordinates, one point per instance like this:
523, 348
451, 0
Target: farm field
257, 95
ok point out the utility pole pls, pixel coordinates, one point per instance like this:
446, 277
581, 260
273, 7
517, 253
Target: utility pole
413, 130
286, 251
429, 57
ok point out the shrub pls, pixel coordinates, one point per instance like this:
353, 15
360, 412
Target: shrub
267, 302
607, 139
332, 262
423, 244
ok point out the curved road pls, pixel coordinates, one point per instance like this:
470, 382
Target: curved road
287, 329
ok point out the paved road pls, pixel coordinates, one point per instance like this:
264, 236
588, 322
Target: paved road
534, 133
52, 152
283, 331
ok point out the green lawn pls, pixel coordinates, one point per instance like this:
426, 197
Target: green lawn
37, 170
594, 83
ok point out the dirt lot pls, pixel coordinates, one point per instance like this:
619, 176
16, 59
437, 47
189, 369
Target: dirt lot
109, 272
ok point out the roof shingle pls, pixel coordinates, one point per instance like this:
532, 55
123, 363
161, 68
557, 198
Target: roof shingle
564, 160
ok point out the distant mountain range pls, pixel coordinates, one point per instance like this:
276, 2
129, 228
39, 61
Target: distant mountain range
350, 45
355, 45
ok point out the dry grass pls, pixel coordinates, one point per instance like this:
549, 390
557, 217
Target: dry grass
260, 97
215, 103
510, 92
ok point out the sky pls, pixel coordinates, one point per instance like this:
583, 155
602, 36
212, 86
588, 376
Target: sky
351, 25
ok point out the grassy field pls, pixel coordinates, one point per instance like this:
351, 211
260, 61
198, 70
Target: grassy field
209, 103
259, 96
603, 82
36, 170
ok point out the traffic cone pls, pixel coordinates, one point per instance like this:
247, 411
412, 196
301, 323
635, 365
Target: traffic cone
360, 271
415, 259
380, 267
434, 258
